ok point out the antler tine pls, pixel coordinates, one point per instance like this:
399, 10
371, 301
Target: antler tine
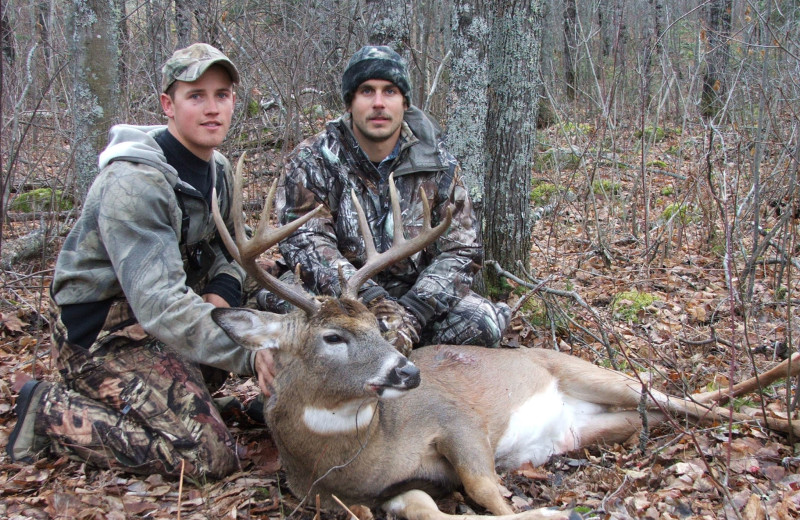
245, 251
401, 247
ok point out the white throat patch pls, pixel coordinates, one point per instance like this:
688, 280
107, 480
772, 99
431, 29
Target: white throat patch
343, 419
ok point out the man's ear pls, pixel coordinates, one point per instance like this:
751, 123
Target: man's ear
167, 105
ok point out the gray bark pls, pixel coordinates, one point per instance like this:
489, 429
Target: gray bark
570, 45
514, 86
390, 26
95, 55
466, 123
718, 23
183, 22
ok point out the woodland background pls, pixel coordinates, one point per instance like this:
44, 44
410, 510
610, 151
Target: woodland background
634, 163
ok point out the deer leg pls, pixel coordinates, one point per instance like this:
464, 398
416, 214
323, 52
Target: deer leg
614, 427
418, 505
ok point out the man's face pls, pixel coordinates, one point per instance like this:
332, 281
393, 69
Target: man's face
200, 112
377, 109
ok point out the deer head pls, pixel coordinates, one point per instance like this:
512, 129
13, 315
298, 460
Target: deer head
332, 343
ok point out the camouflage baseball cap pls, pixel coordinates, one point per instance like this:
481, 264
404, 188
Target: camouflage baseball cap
189, 63
375, 62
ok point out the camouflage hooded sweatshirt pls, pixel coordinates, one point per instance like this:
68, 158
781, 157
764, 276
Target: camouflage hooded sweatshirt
324, 168
126, 245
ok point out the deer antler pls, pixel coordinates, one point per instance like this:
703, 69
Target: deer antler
245, 251
401, 247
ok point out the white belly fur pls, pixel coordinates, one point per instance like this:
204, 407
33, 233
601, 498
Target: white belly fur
545, 425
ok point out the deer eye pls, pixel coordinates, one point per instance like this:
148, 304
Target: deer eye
333, 338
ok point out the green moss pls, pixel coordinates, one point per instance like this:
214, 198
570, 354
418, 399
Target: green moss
650, 133
565, 159
535, 312
630, 305
667, 190
577, 128
658, 163
42, 199
680, 212
498, 291
605, 187
541, 193
253, 108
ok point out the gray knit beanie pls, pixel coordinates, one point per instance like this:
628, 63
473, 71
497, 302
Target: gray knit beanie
375, 62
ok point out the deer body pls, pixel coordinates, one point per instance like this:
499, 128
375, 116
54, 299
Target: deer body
355, 419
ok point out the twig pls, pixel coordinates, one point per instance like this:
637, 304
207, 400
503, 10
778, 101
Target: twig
352, 515
180, 487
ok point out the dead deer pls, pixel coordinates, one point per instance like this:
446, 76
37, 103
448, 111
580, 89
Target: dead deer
354, 419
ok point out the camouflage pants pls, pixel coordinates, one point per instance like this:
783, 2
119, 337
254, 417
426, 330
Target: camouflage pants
129, 402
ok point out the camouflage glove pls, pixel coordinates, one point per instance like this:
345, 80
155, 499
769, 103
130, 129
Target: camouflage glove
398, 326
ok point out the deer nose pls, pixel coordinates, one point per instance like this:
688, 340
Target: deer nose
407, 375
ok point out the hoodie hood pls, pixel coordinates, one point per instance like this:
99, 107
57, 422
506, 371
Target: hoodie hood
137, 144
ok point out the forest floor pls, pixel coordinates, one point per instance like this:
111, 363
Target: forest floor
662, 298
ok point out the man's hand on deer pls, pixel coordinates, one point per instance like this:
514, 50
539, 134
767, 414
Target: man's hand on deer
398, 326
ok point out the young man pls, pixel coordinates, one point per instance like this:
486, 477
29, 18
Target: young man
133, 291
420, 300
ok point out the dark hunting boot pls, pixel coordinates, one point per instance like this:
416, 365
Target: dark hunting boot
23, 443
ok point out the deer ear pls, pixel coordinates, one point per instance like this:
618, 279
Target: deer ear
253, 330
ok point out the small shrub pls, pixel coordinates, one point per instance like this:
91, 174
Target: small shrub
630, 305
42, 199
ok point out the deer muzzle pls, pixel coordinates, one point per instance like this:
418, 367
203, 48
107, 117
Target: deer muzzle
403, 377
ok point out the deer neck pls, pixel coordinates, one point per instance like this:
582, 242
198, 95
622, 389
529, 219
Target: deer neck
349, 417
310, 409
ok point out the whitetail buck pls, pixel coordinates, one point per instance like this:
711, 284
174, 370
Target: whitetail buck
353, 418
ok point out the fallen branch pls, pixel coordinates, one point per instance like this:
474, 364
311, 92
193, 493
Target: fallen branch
538, 285
38, 215
786, 369
29, 245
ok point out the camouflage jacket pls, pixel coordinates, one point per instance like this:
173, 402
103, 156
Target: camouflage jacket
126, 245
324, 168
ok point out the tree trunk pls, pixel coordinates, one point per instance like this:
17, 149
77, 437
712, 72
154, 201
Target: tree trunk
466, 123
183, 22
207, 14
514, 86
95, 58
390, 26
718, 23
570, 46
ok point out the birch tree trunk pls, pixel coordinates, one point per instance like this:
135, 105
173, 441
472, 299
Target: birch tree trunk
95, 57
514, 86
